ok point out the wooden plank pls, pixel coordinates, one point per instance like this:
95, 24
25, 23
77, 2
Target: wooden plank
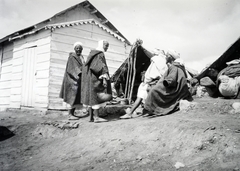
42, 74
14, 105
5, 84
5, 92
17, 61
7, 63
16, 90
18, 54
56, 71
66, 44
43, 57
43, 65
7, 55
4, 100
56, 106
8, 47
41, 105
16, 76
43, 49
42, 91
6, 77
41, 99
6, 69
18, 68
56, 81
16, 83
15, 98
54, 88
71, 32
34, 39
42, 82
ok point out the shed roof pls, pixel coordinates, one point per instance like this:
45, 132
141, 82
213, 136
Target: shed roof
69, 24
105, 24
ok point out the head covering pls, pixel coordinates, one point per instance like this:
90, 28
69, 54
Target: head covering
77, 43
173, 53
155, 51
100, 45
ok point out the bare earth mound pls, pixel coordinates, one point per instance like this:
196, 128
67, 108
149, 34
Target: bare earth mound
205, 137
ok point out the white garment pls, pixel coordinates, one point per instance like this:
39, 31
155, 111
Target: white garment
156, 69
229, 86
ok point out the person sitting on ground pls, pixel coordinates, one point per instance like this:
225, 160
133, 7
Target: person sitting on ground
164, 97
71, 85
154, 72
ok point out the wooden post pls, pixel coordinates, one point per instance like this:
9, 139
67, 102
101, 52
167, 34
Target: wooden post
134, 73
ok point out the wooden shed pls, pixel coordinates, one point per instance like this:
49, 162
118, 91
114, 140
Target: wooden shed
33, 60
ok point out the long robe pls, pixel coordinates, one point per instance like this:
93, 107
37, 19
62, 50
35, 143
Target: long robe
163, 98
94, 67
71, 85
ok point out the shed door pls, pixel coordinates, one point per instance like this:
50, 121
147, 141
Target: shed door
28, 78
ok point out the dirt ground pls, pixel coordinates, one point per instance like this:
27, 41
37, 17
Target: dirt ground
203, 137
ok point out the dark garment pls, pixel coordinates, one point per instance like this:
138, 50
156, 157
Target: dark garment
71, 85
232, 71
164, 97
94, 67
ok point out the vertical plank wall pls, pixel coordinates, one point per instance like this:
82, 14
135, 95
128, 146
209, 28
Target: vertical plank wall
41, 44
62, 43
5, 74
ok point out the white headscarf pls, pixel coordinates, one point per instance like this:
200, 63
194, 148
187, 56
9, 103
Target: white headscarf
173, 53
100, 45
77, 43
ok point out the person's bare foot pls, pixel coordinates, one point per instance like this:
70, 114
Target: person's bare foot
71, 117
98, 120
126, 116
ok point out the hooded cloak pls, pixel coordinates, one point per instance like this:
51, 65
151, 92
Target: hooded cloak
71, 85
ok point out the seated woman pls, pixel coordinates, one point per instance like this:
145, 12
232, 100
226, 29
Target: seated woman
164, 97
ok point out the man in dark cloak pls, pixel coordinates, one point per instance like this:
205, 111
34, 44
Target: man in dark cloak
164, 97
95, 76
71, 85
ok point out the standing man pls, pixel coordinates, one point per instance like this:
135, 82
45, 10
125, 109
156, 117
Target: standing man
96, 81
71, 85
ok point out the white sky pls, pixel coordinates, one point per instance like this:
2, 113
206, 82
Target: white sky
200, 30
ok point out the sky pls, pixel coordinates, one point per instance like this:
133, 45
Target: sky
201, 31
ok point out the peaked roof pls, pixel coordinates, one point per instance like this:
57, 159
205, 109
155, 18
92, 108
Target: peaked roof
105, 24
233, 52
69, 24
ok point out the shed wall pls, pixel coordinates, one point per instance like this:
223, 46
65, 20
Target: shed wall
6, 52
62, 44
40, 42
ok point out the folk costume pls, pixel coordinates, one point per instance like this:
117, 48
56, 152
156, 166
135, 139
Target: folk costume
71, 85
164, 97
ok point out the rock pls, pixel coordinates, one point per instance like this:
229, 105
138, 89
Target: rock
186, 105
236, 107
179, 165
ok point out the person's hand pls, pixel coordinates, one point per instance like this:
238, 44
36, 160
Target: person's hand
104, 82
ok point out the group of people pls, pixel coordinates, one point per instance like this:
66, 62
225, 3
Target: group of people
87, 82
